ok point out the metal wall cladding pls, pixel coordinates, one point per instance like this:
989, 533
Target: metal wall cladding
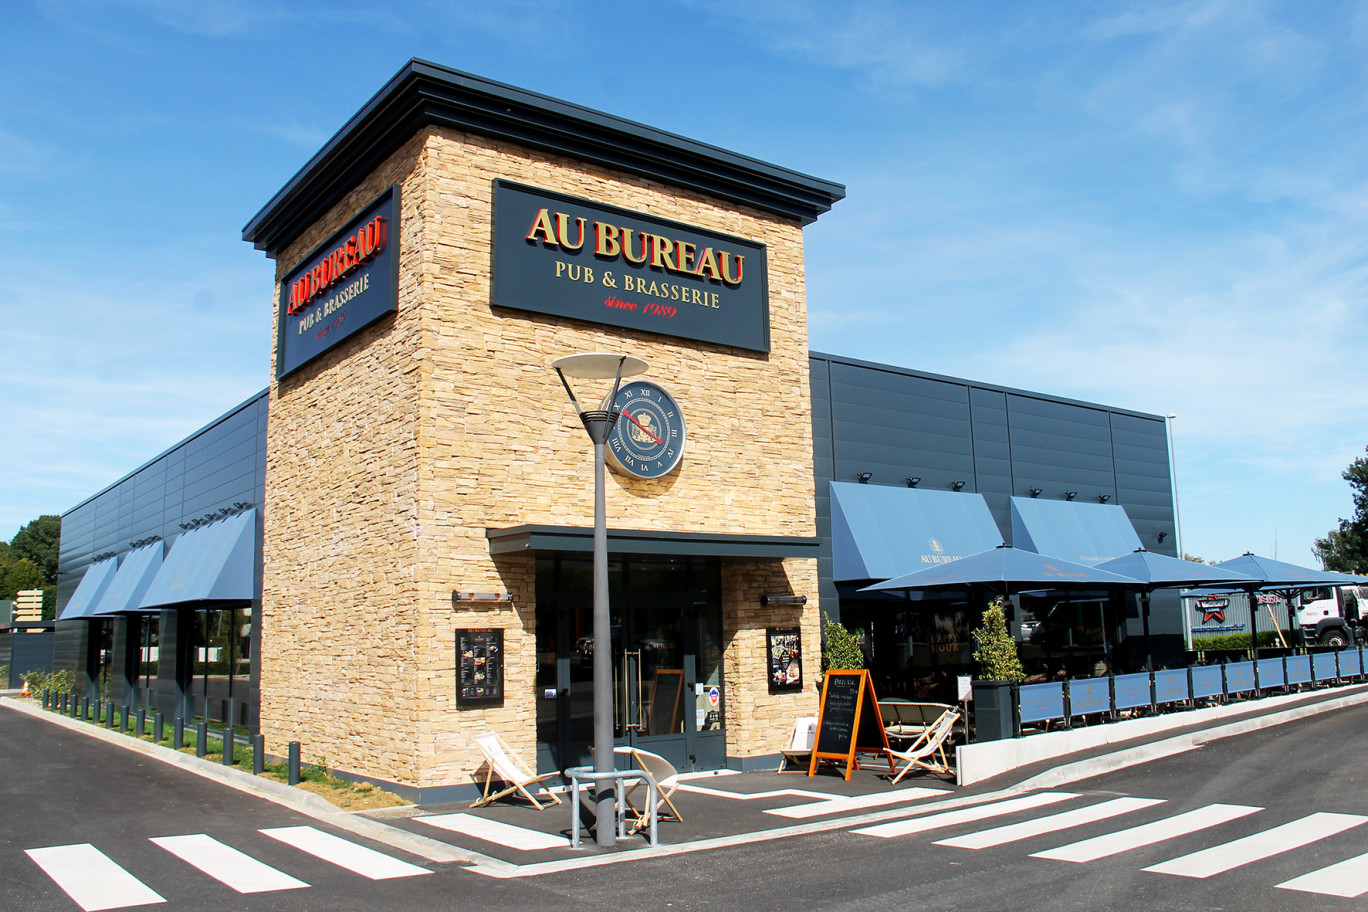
894, 423
218, 466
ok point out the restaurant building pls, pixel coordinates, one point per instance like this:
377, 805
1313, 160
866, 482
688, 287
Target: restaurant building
388, 551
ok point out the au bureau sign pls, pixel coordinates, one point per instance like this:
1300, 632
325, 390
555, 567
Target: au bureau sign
556, 254
345, 285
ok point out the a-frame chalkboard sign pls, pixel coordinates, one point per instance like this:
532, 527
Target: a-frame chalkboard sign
848, 722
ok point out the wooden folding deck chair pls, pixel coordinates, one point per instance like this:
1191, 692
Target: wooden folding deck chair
501, 764
923, 752
661, 772
799, 751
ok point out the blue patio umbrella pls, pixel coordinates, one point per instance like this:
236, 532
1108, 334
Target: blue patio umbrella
1004, 570
1159, 571
1275, 576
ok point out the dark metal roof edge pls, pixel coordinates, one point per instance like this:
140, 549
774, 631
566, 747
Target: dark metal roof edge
979, 384
577, 535
251, 400
423, 93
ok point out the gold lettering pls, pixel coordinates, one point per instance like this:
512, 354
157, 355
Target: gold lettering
563, 231
541, 225
606, 240
628, 254
726, 269
684, 253
660, 251
706, 264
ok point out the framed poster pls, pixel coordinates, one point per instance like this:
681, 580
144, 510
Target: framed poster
785, 650
479, 668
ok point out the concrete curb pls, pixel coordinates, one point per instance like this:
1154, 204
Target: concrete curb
1106, 763
298, 800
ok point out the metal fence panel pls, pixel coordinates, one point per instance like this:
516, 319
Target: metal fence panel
1132, 690
1271, 673
1089, 695
1350, 663
1042, 701
1239, 677
1207, 681
1171, 686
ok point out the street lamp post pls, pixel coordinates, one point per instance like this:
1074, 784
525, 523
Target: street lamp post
599, 424
1173, 470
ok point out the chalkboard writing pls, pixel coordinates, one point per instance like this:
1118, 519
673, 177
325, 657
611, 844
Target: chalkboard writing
667, 692
848, 722
479, 668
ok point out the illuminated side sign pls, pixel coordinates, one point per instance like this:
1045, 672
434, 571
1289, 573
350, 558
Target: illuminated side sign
345, 285
560, 255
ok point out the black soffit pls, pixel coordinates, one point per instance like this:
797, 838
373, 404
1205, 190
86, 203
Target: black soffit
424, 94
522, 539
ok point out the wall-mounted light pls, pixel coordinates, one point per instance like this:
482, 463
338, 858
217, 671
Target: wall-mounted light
913, 480
1035, 492
783, 599
1162, 536
493, 597
957, 485
864, 477
1103, 498
242, 504
1070, 495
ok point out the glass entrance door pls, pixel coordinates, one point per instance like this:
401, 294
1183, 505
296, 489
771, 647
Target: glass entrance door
666, 658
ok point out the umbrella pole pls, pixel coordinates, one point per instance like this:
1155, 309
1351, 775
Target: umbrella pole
1254, 628
1144, 620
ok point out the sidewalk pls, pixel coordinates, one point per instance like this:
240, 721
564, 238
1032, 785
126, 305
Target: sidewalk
513, 839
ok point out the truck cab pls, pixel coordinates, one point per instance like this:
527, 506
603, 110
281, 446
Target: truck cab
1330, 615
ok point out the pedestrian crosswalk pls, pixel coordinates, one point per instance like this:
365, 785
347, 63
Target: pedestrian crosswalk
95, 882
1346, 878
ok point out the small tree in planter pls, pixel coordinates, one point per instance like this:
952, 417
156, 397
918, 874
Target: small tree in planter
997, 650
999, 672
841, 650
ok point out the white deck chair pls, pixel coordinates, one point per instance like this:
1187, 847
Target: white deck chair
661, 772
799, 751
930, 744
501, 764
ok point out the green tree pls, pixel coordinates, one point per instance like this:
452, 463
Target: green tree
38, 542
1345, 548
18, 575
997, 650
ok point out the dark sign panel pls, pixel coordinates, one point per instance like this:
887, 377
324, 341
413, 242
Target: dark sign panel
344, 286
785, 650
559, 255
479, 668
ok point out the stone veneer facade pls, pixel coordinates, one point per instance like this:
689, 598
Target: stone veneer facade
389, 457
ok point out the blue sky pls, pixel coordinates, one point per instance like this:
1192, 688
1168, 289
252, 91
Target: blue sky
1158, 206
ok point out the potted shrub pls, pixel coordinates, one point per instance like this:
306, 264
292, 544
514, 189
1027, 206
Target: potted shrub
1000, 672
840, 650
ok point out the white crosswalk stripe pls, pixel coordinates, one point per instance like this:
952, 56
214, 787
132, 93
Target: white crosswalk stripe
1349, 879
964, 815
857, 803
1266, 844
335, 850
504, 834
227, 865
92, 880
1014, 832
1148, 834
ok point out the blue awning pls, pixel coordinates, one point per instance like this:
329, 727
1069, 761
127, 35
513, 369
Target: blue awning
213, 563
97, 578
139, 567
1085, 533
879, 531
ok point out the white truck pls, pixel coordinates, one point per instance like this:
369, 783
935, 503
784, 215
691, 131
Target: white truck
1330, 615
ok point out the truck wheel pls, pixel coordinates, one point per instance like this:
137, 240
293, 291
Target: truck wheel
1334, 637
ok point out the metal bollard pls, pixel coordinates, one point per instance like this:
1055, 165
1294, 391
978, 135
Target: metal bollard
109, 716
178, 734
75, 709
85, 709
229, 742
158, 727
201, 739
142, 722
258, 754
123, 719
294, 763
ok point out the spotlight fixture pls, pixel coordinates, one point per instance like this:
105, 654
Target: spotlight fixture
913, 480
242, 504
1035, 492
783, 599
864, 477
957, 485
481, 597
1162, 536
1103, 498
1070, 495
